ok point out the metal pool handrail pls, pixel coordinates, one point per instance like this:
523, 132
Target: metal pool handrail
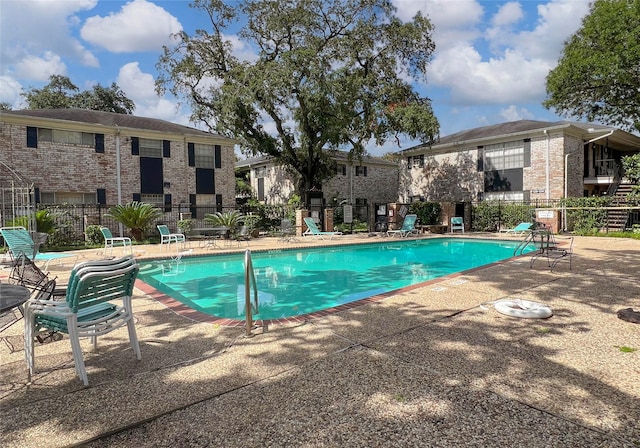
250, 308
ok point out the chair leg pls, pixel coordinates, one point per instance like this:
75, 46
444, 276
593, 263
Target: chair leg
76, 349
133, 338
28, 341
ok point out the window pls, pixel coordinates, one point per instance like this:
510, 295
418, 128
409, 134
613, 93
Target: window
361, 170
157, 200
67, 198
150, 148
341, 169
204, 155
66, 137
503, 195
261, 171
418, 161
504, 156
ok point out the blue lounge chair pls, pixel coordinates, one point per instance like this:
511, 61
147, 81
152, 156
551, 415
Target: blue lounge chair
19, 242
98, 301
457, 223
312, 229
520, 229
408, 227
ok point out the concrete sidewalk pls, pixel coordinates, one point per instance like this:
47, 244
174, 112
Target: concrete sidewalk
427, 367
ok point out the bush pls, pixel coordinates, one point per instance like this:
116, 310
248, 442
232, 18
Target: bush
94, 235
429, 213
590, 219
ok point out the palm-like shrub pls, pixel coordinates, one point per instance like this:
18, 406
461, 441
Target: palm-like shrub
230, 219
136, 216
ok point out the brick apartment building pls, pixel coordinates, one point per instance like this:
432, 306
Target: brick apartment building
80, 156
521, 161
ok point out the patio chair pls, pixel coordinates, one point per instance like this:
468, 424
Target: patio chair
286, 231
19, 241
457, 223
554, 252
89, 309
166, 237
243, 235
408, 227
520, 229
111, 241
313, 230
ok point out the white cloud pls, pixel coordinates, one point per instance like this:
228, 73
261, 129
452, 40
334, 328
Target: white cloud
28, 28
508, 14
510, 78
40, 68
10, 91
513, 113
139, 26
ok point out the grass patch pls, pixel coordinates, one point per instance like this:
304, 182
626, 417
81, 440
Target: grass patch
625, 349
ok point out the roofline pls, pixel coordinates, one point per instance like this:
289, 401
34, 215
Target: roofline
74, 125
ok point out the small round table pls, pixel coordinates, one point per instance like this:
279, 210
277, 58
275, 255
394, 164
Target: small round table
12, 296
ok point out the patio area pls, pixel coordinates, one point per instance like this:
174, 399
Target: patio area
426, 367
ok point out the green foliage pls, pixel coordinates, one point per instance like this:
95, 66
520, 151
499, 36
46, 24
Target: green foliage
327, 76
45, 221
589, 219
631, 165
230, 219
61, 93
488, 215
271, 215
94, 235
428, 213
597, 76
185, 225
64, 233
136, 216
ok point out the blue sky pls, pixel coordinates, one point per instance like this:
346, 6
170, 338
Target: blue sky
489, 67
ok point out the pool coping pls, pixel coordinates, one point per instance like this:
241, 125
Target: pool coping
183, 310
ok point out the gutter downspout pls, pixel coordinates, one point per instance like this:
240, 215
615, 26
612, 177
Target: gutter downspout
566, 171
118, 176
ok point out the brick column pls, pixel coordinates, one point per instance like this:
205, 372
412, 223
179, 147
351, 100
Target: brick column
300, 225
328, 219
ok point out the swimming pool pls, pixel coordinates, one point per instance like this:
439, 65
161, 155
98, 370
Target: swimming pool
294, 282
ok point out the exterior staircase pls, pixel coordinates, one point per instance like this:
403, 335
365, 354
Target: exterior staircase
617, 219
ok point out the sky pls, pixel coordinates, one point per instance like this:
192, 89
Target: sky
490, 63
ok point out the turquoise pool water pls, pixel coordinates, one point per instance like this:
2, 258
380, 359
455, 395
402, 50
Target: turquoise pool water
300, 281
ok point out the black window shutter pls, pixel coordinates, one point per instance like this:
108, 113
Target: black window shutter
167, 203
408, 163
192, 203
218, 156
101, 196
166, 149
480, 159
527, 152
99, 142
344, 170
36, 195
32, 137
358, 170
219, 202
137, 197
191, 151
365, 171
135, 146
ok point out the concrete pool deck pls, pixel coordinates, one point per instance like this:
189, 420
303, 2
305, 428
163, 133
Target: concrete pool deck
426, 367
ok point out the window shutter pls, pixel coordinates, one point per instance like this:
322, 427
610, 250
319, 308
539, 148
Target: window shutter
36, 195
358, 170
421, 162
192, 204
219, 202
135, 146
480, 162
167, 203
409, 163
365, 171
137, 197
166, 148
218, 156
101, 196
32, 137
527, 152
191, 152
100, 143
344, 170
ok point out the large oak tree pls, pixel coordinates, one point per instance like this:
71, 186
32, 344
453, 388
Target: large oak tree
598, 75
325, 75
61, 93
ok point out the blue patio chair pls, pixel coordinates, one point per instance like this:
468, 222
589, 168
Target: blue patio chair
110, 241
98, 301
520, 229
408, 227
457, 223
